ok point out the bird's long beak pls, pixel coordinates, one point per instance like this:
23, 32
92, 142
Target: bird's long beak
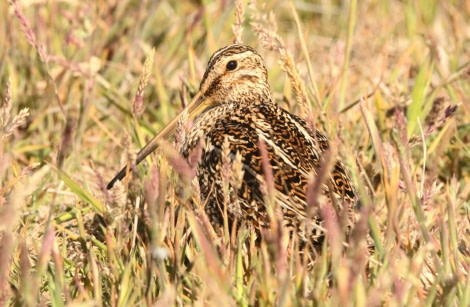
197, 105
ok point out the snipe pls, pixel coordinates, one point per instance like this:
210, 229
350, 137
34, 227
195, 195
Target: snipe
234, 104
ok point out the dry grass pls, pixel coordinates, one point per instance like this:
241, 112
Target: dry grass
389, 82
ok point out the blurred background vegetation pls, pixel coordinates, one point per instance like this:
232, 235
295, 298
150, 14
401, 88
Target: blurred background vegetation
376, 67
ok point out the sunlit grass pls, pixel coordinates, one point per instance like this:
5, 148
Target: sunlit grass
388, 81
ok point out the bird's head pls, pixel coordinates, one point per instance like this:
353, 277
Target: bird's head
234, 73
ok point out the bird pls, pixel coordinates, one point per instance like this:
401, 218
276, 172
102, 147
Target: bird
236, 119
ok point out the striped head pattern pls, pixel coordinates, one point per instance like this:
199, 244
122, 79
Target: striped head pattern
235, 73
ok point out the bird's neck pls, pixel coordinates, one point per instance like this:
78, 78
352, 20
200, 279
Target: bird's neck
250, 98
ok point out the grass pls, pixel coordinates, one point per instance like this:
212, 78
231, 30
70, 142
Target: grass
388, 81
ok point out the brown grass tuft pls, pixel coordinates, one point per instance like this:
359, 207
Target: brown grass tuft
401, 88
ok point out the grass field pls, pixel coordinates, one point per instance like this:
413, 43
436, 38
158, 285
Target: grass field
86, 84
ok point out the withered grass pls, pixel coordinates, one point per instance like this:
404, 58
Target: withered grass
85, 84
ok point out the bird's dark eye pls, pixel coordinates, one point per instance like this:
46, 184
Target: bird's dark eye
232, 65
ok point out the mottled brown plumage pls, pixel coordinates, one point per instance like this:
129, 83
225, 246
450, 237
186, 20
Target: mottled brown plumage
235, 106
